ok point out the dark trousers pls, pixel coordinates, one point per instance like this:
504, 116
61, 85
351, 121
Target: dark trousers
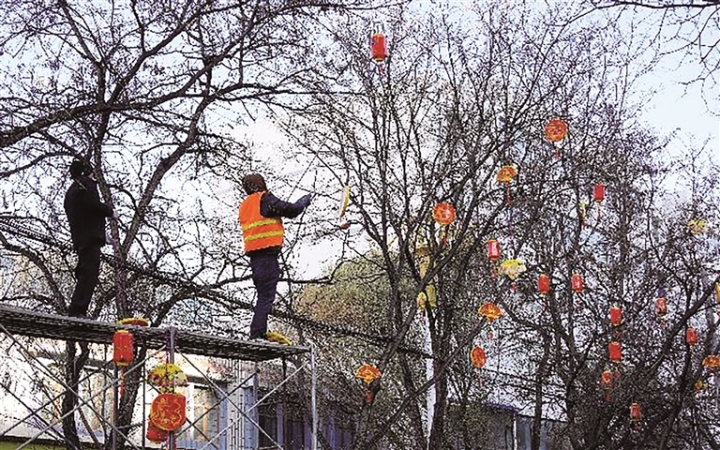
86, 273
265, 275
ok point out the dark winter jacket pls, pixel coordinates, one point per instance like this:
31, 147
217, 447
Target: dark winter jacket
86, 213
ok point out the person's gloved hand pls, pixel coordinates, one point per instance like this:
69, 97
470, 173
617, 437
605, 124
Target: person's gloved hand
304, 200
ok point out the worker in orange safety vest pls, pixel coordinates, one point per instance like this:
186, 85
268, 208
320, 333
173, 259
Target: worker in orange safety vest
260, 218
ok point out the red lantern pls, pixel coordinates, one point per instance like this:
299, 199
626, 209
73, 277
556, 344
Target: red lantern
691, 336
606, 380
378, 47
155, 434
615, 316
661, 307
615, 351
493, 250
543, 284
167, 411
576, 282
122, 348
478, 357
635, 412
599, 192
444, 213
556, 130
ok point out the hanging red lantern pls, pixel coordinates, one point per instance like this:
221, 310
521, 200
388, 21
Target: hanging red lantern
478, 357
167, 411
599, 193
661, 307
576, 283
556, 130
606, 382
444, 213
606, 379
691, 336
493, 250
615, 351
635, 412
615, 316
378, 47
155, 434
543, 284
122, 348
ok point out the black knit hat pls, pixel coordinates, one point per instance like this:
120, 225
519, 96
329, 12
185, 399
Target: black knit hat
79, 168
253, 183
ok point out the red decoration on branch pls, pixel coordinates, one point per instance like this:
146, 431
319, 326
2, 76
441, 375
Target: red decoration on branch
444, 213
167, 411
493, 250
543, 284
576, 283
378, 47
122, 348
615, 352
599, 193
691, 336
155, 434
615, 316
606, 383
478, 357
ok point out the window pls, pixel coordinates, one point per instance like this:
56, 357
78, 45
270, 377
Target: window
203, 415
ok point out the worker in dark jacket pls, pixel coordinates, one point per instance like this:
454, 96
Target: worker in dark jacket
86, 215
263, 234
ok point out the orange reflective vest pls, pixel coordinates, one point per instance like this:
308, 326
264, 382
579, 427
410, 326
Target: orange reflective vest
259, 231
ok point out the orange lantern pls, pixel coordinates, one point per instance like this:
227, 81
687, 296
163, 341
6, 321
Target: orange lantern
556, 130
576, 283
635, 412
155, 434
122, 348
717, 292
167, 411
615, 351
599, 193
368, 373
711, 363
490, 311
493, 250
505, 175
691, 336
378, 47
478, 357
444, 213
615, 316
543, 284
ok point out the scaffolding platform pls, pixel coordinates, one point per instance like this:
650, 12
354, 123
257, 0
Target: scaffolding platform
241, 397
27, 322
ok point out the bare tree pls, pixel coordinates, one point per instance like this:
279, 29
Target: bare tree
151, 93
452, 105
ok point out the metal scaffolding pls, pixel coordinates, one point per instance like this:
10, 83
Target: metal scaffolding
241, 398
